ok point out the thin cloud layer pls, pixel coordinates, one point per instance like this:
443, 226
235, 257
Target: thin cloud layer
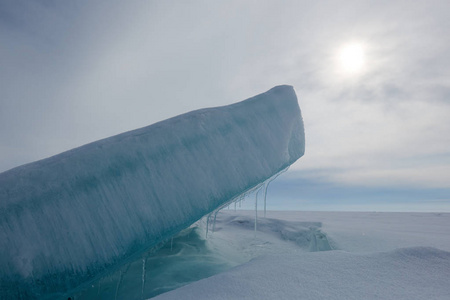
74, 73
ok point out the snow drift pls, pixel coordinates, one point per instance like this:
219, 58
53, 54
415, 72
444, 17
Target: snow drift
67, 218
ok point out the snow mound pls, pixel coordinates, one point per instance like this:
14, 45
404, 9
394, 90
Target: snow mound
306, 235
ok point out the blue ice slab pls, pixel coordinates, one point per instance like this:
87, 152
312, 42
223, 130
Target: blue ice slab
66, 219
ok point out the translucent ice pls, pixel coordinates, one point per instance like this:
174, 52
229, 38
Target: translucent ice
66, 219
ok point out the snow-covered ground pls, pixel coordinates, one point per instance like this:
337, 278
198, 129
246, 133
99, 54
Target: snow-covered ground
325, 255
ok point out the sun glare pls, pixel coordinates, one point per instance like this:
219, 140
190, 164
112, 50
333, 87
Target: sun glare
351, 58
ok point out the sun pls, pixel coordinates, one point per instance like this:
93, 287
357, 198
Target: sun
351, 58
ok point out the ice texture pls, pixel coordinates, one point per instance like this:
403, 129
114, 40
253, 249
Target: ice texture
66, 219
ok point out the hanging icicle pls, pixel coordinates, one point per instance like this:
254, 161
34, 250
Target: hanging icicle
260, 188
256, 211
143, 276
266, 185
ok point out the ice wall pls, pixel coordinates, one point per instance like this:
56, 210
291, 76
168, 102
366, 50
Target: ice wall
67, 218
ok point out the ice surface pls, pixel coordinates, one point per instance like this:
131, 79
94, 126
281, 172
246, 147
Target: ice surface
373, 256
66, 219
184, 259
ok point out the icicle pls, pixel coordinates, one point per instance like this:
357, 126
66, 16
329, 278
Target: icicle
119, 282
257, 189
143, 276
256, 211
207, 221
266, 185
118, 285
214, 222
217, 211
207, 224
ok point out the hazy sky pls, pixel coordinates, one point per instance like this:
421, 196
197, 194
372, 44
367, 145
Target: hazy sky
72, 72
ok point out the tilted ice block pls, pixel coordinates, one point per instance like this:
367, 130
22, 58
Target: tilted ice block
67, 218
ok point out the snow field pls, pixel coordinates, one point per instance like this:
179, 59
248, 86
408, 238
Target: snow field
375, 256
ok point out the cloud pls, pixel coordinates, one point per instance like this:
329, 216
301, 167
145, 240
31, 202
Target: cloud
384, 127
90, 69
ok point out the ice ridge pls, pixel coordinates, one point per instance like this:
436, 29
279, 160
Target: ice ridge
66, 219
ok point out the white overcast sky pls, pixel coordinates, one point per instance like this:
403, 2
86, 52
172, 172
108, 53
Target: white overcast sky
72, 72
